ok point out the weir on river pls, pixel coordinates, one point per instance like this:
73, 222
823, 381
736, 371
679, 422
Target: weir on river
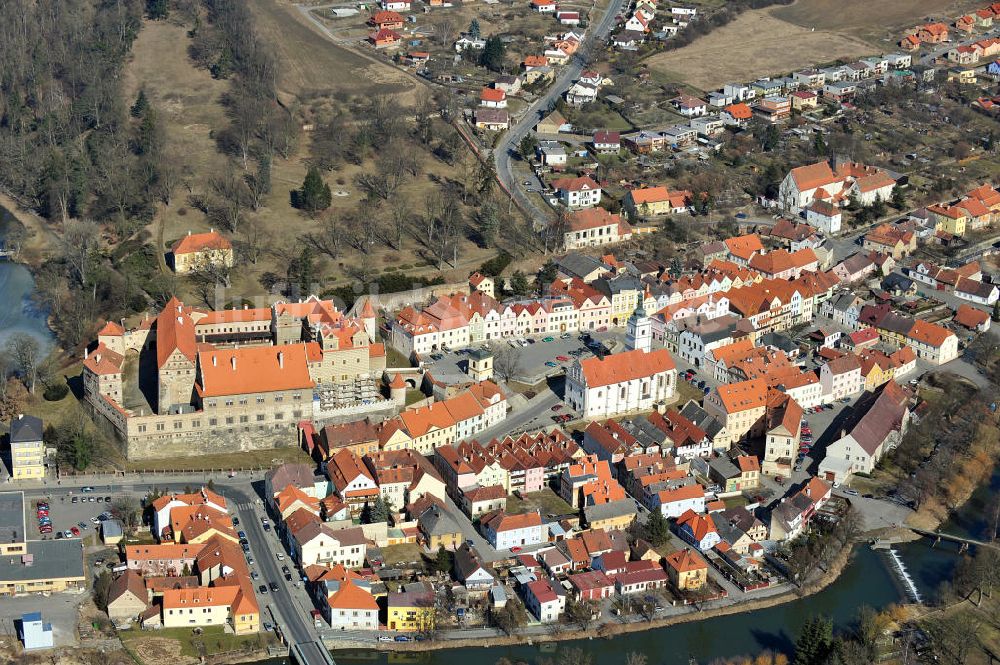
900, 569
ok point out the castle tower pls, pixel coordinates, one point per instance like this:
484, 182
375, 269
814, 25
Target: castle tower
397, 390
369, 320
639, 331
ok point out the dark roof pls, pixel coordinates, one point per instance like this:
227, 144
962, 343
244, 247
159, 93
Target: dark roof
604, 511
579, 265
52, 559
877, 414
467, 562
25, 429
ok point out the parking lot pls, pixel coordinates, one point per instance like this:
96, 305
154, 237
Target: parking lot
66, 512
537, 358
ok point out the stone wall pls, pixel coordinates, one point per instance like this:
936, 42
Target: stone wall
399, 300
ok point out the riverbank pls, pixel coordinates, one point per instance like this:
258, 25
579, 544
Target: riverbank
39, 240
610, 630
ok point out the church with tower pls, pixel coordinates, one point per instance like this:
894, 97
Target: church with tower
637, 379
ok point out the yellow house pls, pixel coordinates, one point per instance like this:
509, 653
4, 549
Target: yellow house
199, 251
211, 606
950, 219
614, 516
687, 571
963, 76
410, 611
27, 451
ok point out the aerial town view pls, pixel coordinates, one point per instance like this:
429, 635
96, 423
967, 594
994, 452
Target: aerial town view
500, 332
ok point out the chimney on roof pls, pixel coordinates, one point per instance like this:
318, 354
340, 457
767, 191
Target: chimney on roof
189, 231
281, 359
233, 360
86, 353
215, 361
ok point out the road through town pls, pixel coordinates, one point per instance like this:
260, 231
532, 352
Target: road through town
506, 147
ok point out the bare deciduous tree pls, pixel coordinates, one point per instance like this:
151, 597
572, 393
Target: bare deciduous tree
23, 351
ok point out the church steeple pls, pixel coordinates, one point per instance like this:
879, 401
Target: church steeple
639, 330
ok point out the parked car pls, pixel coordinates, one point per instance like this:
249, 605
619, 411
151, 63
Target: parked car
74, 531
562, 359
262, 589
548, 339
273, 586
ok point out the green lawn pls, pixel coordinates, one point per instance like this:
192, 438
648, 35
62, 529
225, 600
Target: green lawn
212, 640
401, 554
545, 501
685, 392
245, 459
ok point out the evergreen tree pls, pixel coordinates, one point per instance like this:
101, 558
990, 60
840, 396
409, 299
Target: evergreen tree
819, 145
879, 209
264, 174
147, 141
519, 285
486, 175
657, 529
898, 198
814, 643
306, 274
996, 311
770, 140
157, 9
443, 561
527, 146
138, 109
547, 274
493, 54
315, 194
474, 30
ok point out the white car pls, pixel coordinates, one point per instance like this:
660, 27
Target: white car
281, 557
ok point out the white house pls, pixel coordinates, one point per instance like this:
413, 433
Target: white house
580, 192
395, 5
841, 377
505, 531
630, 381
544, 600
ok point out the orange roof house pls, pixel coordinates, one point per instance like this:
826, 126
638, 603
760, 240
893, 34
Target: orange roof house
386, 20
384, 38
199, 242
742, 248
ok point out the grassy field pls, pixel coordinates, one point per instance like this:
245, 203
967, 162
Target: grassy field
182, 642
315, 74
868, 19
244, 459
755, 44
545, 501
402, 554
685, 392
310, 63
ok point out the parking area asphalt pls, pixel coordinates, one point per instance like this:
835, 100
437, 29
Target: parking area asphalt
64, 513
537, 358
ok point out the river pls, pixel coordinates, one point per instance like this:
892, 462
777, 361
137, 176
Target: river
866, 580
18, 312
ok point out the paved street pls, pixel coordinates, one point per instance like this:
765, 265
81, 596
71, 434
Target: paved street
506, 147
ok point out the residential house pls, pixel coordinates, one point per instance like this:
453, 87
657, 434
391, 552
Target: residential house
351, 607
505, 531
545, 600
594, 226
575, 193
197, 252
687, 570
